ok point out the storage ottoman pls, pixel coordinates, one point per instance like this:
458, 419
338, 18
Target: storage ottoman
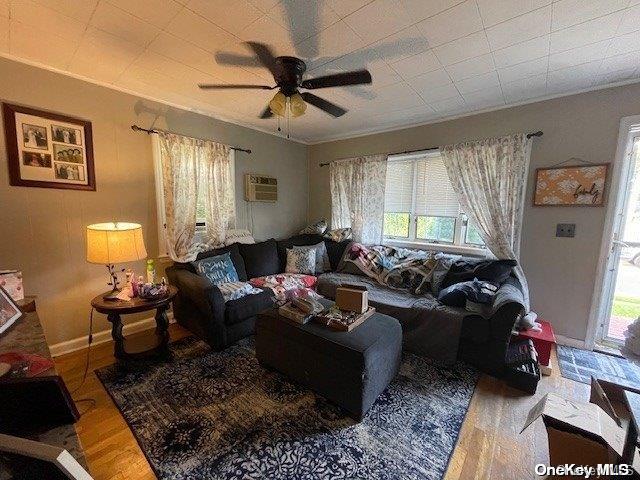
348, 368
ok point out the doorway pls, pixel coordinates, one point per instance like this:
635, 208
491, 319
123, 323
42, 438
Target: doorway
620, 297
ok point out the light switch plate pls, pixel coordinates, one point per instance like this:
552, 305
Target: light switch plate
566, 230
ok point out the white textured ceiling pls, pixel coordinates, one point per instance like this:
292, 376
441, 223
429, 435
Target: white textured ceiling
429, 59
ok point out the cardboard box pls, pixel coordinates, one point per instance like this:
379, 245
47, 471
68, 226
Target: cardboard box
578, 433
353, 298
586, 433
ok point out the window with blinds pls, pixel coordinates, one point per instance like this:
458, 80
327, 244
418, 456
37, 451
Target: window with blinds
421, 205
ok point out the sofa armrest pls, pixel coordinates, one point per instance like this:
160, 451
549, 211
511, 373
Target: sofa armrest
199, 305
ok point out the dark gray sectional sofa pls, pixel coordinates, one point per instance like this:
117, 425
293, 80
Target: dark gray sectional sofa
480, 341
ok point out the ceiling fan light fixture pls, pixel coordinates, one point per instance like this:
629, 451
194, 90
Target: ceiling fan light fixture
278, 104
297, 105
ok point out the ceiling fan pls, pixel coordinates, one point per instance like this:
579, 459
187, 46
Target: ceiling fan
287, 73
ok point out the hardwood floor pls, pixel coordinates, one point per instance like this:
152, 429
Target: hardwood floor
490, 443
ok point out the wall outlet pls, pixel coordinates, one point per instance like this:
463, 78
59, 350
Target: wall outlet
566, 230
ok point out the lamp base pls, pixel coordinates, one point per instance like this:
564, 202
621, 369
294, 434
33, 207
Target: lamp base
112, 296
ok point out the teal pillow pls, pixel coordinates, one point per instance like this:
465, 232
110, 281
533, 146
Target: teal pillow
218, 269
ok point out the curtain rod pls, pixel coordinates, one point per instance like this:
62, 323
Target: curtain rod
136, 128
529, 135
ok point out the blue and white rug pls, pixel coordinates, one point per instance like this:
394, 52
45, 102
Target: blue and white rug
221, 415
581, 365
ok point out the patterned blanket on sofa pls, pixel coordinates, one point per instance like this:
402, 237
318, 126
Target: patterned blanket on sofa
417, 271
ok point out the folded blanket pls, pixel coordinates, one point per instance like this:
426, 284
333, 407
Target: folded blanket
236, 290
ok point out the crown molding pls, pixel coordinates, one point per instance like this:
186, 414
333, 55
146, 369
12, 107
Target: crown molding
331, 138
135, 93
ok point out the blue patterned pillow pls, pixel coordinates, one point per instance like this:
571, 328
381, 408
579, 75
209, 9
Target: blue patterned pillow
218, 269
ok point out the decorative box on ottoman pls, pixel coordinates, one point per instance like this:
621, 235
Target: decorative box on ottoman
349, 368
543, 341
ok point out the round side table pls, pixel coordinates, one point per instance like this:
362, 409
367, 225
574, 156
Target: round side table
139, 347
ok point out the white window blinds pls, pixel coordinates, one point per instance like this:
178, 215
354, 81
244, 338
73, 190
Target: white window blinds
434, 194
399, 186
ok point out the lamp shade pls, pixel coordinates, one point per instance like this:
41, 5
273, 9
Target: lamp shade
278, 104
117, 242
297, 105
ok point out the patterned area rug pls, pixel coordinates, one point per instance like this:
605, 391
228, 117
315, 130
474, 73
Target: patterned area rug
581, 365
221, 415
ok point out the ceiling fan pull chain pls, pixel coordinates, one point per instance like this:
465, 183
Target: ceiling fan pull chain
288, 116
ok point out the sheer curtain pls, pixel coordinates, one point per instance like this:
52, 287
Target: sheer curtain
489, 177
188, 166
357, 196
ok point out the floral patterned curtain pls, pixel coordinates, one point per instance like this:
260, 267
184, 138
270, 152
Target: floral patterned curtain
489, 177
357, 196
188, 166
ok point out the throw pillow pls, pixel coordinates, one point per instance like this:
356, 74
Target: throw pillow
236, 290
319, 227
218, 269
236, 258
301, 261
238, 235
494, 271
339, 234
322, 258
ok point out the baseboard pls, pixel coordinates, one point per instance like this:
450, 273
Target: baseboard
570, 342
103, 336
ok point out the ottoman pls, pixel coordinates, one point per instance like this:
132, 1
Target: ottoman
348, 368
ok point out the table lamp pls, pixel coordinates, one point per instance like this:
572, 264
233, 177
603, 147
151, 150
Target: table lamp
111, 243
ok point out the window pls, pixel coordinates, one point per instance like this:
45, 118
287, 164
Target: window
200, 209
421, 205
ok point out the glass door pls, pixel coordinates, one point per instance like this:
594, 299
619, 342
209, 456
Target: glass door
623, 285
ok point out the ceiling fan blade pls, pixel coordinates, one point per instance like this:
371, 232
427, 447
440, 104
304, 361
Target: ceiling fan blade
325, 105
231, 86
224, 58
357, 77
265, 56
266, 113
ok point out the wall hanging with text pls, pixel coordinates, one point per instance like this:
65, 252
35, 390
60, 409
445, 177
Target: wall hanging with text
571, 186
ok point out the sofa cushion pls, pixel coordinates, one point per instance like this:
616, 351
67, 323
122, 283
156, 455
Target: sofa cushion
494, 271
239, 310
236, 258
260, 259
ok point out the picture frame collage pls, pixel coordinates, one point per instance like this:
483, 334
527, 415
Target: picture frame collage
48, 150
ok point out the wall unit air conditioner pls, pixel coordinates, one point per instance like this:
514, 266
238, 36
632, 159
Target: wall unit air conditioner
260, 188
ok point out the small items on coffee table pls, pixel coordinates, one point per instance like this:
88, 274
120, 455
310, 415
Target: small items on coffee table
350, 310
342, 320
301, 309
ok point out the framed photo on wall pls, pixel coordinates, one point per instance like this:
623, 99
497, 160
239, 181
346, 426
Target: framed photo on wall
572, 186
49, 150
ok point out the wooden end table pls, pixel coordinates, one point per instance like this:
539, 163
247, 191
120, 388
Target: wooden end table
142, 347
